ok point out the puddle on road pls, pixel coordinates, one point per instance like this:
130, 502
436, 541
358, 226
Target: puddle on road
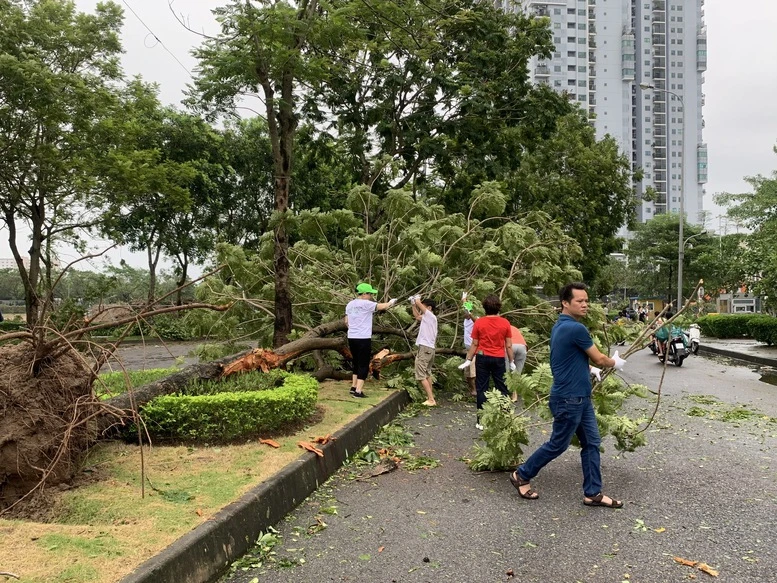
768, 373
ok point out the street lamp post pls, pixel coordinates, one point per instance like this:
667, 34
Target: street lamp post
680, 242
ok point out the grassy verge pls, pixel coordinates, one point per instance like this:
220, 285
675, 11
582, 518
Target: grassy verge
107, 525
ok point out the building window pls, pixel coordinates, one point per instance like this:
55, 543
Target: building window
557, 68
581, 83
581, 69
571, 82
557, 11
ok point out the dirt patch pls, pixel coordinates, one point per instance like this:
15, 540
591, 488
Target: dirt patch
43, 431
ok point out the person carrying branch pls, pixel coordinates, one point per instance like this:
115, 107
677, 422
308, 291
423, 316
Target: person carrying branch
571, 349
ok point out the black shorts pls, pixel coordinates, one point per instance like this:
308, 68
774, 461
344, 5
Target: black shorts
361, 349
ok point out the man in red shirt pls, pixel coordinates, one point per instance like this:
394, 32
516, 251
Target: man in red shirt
491, 341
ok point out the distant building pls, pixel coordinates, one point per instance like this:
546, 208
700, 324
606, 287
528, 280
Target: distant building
6, 263
604, 51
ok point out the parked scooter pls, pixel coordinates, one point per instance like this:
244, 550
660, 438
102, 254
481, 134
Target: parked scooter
694, 338
672, 344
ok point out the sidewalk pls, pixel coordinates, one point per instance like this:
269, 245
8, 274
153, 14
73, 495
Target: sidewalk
447, 432
743, 349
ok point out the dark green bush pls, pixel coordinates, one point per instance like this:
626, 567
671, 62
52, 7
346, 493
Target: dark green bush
726, 325
231, 415
12, 326
763, 329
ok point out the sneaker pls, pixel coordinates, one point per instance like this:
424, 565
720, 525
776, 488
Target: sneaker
353, 390
356, 393
478, 426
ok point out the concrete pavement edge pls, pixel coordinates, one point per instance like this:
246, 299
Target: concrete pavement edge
205, 553
737, 355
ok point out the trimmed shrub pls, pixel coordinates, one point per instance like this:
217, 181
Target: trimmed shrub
726, 325
231, 415
12, 325
763, 329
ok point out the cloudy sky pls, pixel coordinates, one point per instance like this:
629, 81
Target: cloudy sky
740, 87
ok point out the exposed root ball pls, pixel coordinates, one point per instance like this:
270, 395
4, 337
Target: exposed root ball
42, 433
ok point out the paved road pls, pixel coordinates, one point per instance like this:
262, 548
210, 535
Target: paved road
703, 489
154, 354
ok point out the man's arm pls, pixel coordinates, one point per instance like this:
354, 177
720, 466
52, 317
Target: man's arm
509, 349
418, 309
473, 348
599, 359
385, 305
346, 320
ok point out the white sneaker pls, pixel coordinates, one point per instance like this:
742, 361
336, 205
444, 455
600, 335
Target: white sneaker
478, 426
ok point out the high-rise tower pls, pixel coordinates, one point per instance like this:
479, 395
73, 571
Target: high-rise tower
637, 67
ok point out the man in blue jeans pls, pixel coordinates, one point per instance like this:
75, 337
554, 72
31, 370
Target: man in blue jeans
571, 349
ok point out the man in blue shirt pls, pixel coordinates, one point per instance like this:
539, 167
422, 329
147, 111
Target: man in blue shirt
571, 349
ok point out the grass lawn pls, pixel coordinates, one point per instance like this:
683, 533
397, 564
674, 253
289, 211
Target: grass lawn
113, 520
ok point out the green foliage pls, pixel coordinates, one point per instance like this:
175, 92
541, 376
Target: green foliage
726, 325
763, 329
210, 352
503, 434
245, 382
506, 431
231, 414
110, 384
12, 326
756, 253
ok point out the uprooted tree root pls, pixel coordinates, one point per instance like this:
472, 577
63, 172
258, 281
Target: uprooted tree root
46, 412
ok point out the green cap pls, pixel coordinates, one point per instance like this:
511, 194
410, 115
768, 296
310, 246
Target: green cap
468, 306
365, 288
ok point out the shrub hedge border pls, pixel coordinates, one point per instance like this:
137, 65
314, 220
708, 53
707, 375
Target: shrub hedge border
231, 415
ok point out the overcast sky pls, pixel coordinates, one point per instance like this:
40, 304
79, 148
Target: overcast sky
740, 87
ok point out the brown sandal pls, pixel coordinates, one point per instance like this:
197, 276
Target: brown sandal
518, 482
597, 501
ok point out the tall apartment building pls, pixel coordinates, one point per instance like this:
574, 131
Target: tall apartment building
606, 52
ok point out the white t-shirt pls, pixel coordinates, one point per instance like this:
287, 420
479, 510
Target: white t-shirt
427, 332
359, 314
468, 325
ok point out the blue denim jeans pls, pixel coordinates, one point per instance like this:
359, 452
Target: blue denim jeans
573, 416
488, 367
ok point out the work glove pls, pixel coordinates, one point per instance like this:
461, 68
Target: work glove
512, 367
411, 299
463, 296
597, 372
393, 301
468, 306
619, 362
465, 364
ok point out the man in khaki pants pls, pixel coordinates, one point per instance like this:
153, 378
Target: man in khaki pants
423, 311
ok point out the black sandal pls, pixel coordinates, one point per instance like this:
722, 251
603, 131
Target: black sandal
597, 501
518, 482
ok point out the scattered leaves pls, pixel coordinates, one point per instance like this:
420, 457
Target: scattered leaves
310, 447
270, 442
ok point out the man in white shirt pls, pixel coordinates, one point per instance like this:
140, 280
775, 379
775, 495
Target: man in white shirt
358, 320
423, 311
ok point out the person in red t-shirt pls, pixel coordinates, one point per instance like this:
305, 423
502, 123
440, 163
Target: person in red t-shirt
491, 341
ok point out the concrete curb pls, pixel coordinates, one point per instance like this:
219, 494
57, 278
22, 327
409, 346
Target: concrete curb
714, 351
205, 553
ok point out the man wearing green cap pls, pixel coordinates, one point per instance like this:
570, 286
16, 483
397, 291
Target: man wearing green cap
358, 320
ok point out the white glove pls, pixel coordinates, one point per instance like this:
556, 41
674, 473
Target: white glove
463, 296
393, 301
619, 362
597, 372
465, 364
512, 367
411, 299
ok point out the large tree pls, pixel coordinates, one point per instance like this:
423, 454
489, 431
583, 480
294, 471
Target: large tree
57, 72
757, 254
653, 256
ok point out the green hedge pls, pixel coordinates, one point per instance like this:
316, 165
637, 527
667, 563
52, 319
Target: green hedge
231, 415
726, 325
763, 329
12, 326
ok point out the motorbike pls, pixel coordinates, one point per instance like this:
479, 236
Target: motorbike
694, 338
672, 345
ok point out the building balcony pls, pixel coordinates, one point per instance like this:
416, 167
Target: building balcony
659, 5
542, 71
